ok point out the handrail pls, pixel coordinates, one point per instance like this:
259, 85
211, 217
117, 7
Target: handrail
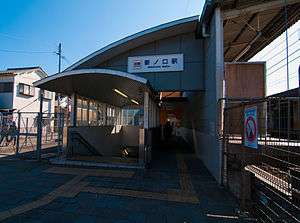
88, 145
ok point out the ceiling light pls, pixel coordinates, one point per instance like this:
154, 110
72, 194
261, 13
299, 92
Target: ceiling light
134, 101
120, 93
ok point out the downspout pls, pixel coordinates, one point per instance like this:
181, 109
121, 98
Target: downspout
210, 7
205, 34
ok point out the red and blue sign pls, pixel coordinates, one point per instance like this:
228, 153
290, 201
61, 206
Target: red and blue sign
250, 128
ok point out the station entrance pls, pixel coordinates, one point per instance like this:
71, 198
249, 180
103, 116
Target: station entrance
112, 116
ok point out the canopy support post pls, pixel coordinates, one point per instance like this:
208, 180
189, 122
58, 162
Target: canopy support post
143, 132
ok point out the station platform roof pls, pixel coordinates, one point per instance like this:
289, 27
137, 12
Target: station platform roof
108, 86
249, 26
290, 93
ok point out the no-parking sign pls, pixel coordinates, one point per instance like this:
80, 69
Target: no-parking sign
250, 128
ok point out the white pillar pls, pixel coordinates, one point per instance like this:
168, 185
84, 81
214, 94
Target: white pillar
143, 132
146, 110
150, 113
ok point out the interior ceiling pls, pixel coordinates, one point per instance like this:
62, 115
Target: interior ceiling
249, 26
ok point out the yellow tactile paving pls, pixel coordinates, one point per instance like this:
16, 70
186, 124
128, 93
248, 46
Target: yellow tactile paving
91, 172
73, 191
143, 194
185, 178
75, 186
60, 191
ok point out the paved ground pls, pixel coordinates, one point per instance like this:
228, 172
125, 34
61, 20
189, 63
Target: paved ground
177, 188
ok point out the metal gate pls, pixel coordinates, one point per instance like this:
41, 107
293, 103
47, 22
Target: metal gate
265, 180
26, 135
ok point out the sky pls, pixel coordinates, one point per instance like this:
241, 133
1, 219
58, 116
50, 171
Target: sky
36, 27
275, 56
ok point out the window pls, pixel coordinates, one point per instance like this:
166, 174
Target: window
132, 117
25, 89
48, 95
93, 113
101, 109
6, 87
84, 112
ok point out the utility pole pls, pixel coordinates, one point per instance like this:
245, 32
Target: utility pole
59, 69
59, 115
59, 57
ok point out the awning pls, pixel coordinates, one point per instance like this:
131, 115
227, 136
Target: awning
108, 86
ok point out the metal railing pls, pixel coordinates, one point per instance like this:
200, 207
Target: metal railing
19, 133
266, 180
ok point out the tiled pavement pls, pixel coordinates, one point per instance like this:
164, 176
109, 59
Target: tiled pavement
176, 188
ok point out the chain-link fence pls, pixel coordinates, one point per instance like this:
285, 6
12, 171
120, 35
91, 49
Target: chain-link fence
266, 179
19, 134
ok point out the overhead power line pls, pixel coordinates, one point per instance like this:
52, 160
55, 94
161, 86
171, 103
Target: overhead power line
25, 51
14, 37
66, 60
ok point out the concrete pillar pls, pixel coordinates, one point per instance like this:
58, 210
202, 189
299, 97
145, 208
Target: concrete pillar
150, 113
141, 147
219, 72
146, 110
143, 132
219, 53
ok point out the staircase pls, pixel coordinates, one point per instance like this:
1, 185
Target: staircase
78, 139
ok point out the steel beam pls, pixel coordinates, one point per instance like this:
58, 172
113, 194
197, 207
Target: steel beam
230, 14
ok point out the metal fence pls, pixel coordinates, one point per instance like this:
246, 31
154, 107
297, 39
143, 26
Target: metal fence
266, 180
27, 135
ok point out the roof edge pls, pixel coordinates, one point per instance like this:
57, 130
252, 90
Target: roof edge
17, 70
134, 36
91, 71
208, 8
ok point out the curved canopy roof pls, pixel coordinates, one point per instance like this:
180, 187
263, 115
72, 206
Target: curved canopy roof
141, 38
99, 84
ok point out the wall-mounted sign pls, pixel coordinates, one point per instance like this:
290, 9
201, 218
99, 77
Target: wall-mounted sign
155, 63
250, 128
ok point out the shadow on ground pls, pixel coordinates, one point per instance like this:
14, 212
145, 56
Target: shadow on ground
175, 174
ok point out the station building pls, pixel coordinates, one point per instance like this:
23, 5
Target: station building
123, 93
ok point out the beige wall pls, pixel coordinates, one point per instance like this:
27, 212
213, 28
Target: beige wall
30, 104
130, 135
